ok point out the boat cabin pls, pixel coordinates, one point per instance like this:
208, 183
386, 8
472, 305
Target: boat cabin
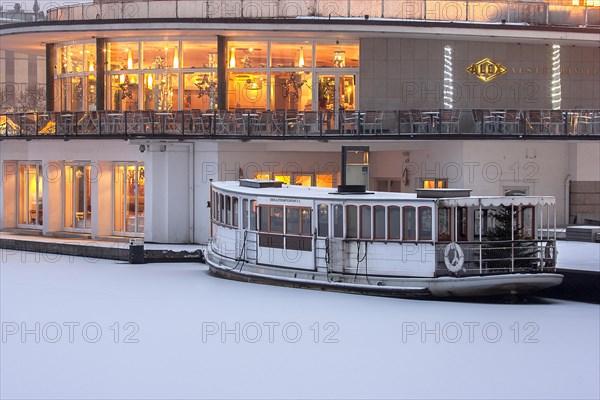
341, 233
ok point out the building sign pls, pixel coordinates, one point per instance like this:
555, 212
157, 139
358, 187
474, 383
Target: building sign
486, 69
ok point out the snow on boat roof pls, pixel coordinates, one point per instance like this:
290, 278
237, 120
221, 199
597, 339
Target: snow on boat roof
313, 192
495, 201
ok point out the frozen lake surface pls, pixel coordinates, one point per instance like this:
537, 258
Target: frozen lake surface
88, 328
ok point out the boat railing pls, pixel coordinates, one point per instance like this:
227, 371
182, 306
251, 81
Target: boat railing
495, 257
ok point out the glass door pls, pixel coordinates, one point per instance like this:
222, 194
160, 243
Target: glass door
336, 95
78, 196
129, 199
29, 195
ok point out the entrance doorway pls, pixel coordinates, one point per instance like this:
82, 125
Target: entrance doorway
29, 195
129, 199
78, 197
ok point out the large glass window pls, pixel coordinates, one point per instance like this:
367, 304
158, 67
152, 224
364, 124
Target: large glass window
75, 79
123, 56
200, 90
29, 194
291, 55
160, 55
340, 55
291, 90
124, 92
129, 198
161, 91
247, 54
146, 75
165, 75
247, 90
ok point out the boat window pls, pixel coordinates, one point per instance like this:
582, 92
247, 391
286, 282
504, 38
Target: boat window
425, 223
393, 222
485, 220
263, 218
244, 213
409, 223
322, 220
365, 222
276, 219
462, 216
305, 219
234, 211
221, 208
351, 222
228, 210
444, 224
379, 227
292, 220
216, 207
252, 215
527, 222
338, 221
213, 205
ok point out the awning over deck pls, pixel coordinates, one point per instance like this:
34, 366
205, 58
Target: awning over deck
495, 201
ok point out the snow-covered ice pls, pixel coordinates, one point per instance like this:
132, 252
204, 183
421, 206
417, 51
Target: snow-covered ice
113, 330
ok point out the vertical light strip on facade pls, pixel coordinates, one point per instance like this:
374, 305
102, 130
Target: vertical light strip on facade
448, 81
555, 90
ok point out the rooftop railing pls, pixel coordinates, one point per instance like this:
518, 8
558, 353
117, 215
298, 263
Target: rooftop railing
552, 12
313, 125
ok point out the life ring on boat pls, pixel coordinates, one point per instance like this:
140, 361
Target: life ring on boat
454, 258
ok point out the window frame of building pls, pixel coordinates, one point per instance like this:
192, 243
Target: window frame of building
29, 209
70, 190
127, 185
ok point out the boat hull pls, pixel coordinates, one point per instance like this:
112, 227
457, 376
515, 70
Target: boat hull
487, 285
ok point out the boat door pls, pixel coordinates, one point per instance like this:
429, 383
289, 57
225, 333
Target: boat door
336, 92
329, 241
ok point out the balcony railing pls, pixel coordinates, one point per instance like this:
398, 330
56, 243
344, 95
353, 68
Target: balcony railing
291, 124
551, 12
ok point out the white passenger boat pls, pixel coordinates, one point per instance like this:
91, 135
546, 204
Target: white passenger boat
438, 242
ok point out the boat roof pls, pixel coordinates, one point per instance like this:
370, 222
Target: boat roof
313, 192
